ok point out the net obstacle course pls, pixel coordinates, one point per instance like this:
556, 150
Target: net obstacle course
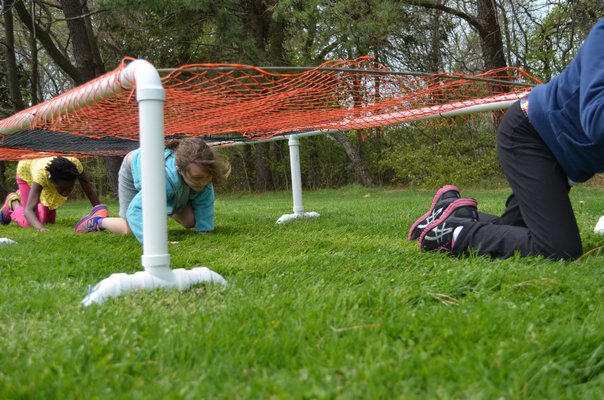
231, 104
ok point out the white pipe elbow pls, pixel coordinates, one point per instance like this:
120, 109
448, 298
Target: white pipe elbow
120, 283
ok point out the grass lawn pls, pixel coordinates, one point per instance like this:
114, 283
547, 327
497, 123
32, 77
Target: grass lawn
336, 307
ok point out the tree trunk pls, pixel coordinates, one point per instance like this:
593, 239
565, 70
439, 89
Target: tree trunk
4, 190
491, 41
82, 52
353, 153
89, 65
485, 23
247, 159
354, 156
112, 166
99, 67
14, 91
255, 25
35, 75
88, 60
264, 179
45, 39
434, 55
268, 36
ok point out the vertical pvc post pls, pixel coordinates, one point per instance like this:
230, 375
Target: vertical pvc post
600, 226
150, 96
294, 160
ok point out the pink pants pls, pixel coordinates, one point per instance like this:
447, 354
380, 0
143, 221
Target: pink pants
44, 214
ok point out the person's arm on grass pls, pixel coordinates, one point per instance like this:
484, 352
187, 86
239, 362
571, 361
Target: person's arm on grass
30, 208
203, 208
88, 190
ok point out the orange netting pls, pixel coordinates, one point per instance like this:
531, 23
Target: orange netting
226, 102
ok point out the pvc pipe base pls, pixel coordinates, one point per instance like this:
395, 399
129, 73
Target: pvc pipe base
120, 283
600, 226
289, 217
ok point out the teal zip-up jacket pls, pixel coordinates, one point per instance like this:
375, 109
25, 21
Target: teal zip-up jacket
568, 111
178, 194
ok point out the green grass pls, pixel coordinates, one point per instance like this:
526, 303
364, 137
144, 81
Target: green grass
337, 307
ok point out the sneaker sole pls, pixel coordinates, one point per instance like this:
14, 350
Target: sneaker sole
452, 207
440, 192
80, 222
4, 220
6, 211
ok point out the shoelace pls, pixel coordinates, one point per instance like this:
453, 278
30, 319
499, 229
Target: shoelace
91, 225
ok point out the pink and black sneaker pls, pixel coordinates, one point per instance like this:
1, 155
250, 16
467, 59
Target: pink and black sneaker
445, 196
438, 235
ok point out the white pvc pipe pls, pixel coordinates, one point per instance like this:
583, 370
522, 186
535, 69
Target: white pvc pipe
464, 107
493, 103
294, 161
103, 87
599, 228
496, 102
150, 95
120, 283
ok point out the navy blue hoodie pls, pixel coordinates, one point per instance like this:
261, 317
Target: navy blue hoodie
568, 111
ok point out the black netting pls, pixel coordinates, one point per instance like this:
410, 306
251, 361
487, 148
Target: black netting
38, 140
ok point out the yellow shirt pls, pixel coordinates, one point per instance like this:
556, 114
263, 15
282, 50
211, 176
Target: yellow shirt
35, 171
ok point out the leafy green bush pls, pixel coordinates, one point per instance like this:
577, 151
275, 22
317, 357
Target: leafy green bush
430, 157
323, 164
422, 156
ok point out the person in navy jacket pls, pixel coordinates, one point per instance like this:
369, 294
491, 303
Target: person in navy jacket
547, 142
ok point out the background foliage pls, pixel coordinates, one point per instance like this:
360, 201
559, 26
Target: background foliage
337, 307
73, 41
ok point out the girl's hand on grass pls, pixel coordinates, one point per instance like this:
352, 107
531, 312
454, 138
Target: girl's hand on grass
42, 229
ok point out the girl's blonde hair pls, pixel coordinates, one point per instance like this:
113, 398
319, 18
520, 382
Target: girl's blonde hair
194, 150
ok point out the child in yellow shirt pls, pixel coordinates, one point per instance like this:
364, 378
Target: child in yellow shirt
44, 185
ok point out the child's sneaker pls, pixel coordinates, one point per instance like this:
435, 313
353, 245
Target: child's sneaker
445, 196
439, 234
91, 222
100, 210
6, 210
88, 224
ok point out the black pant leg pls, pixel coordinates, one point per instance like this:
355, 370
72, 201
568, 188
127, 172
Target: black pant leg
539, 219
511, 215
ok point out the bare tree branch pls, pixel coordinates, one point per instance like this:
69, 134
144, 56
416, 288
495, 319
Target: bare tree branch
470, 19
44, 38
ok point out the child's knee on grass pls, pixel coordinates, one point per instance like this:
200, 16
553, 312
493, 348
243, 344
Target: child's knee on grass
185, 217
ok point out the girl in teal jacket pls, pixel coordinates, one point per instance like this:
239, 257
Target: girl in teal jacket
191, 170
